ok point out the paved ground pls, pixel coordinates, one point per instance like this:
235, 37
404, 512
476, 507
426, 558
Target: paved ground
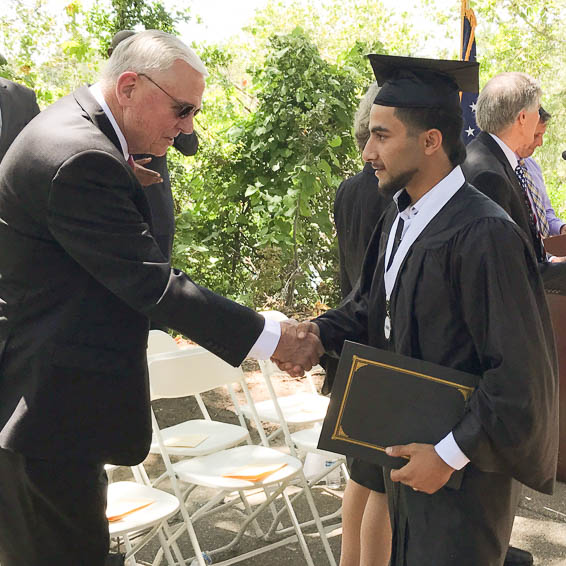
540, 525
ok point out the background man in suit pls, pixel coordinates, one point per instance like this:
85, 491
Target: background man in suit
507, 112
554, 224
17, 107
80, 277
357, 208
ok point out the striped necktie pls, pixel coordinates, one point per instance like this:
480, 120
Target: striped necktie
534, 196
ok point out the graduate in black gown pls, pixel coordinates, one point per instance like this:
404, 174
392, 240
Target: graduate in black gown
449, 278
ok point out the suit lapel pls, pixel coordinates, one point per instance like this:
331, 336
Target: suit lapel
96, 115
497, 152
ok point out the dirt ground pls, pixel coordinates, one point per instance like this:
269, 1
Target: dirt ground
219, 529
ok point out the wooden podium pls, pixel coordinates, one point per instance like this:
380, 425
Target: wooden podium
557, 306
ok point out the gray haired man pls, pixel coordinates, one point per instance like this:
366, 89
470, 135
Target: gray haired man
507, 112
81, 275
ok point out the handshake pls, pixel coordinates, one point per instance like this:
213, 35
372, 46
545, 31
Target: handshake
299, 348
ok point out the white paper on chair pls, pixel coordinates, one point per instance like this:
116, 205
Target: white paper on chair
185, 440
120, 508
253, 473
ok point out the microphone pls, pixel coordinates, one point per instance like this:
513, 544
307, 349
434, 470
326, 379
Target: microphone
564, 155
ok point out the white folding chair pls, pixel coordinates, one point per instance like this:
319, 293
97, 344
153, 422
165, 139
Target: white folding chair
194, 371
216, 435
146, 512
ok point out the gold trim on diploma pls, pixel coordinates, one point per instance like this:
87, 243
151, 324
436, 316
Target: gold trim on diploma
357, 364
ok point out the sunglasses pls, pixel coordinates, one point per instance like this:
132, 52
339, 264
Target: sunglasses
184, 110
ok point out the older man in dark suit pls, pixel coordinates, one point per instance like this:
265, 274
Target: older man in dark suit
80, 277
507, 112
17, 107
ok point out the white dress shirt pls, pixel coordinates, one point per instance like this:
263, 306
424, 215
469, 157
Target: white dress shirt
447, 448
269, 338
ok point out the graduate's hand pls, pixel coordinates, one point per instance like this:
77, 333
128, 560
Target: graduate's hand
558, 259
146, 176
298, 349
426, 471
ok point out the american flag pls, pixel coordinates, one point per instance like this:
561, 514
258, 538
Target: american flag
468, 53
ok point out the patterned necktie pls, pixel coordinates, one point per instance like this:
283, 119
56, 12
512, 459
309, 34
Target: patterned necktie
534, 196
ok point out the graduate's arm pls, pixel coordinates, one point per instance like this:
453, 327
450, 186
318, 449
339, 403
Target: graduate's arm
347, 322
508, 425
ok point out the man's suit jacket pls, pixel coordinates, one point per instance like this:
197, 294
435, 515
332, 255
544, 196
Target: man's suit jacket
488, 169
80, 275
18, 107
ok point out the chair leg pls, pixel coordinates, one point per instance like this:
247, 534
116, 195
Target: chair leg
130, 561
165, 546
298, 531
247, 507
317, 520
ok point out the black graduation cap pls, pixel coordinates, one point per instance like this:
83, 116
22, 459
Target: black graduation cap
409, 82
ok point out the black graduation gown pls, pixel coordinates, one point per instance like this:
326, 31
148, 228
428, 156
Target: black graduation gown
468, 296
357, 208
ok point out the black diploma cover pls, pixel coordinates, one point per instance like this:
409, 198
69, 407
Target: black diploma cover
382, 399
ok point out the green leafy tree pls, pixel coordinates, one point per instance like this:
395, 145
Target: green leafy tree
108, 17
261, 207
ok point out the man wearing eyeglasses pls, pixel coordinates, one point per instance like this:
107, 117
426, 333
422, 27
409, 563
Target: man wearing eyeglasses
153, 174
81, 275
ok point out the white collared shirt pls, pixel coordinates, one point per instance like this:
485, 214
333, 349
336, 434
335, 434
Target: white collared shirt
509, 153
96, 91
269, 338
435, 198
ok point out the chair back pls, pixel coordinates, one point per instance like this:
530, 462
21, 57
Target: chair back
160, 342
189, 372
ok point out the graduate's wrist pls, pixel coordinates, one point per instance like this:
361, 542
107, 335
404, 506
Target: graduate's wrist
450, 453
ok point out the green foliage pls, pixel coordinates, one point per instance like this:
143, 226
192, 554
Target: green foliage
50, 53
108, 17
267, 196
254, 205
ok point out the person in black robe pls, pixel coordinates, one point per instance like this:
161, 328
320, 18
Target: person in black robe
357, 209
463, 291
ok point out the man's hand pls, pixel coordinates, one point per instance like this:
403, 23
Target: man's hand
145, 176
426, 470
298, 349
558, 259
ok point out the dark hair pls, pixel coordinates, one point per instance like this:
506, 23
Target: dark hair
449, 122
544, 115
